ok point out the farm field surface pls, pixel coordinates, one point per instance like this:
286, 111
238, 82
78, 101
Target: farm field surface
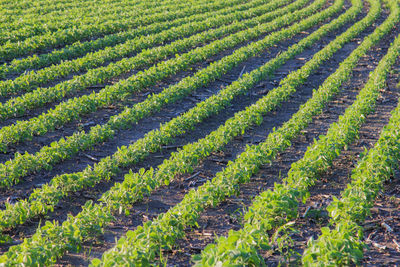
199, 133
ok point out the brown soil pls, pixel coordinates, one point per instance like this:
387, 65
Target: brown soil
384, 245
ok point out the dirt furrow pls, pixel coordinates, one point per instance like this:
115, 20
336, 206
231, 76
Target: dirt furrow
338, 176
227, 215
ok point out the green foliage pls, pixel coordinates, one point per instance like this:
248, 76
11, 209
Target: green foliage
11, 171
33, 24
343, 244
119, 45
272, 209
44, 199
11, 50
142, 180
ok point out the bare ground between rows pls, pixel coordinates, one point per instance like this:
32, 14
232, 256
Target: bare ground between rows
73, 22
126, 137
235, 74
97, 13
102, 115
97, 87
112, 81
382, 228
216, 220
82, 203
313, 212
164, 206
86, 39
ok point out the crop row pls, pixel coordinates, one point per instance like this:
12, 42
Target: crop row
76, 107
271, 209
10, 51
45, 198
42, 6
10, 15
79, 49
19, 105
189, 155
29, 16
343, 245
216, 19
26, 8
32, 25
135, 187
65, 148
283, 201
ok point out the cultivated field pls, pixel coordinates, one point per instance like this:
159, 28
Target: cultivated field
207, 133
